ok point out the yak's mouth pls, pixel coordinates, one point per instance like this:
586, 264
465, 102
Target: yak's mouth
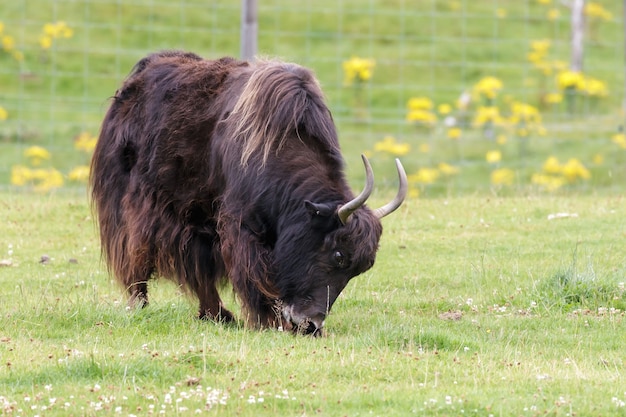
301, 324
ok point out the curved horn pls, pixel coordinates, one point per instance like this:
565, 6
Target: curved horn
347, 209
399, 198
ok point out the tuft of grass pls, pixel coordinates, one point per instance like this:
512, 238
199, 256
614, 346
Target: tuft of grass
573, 287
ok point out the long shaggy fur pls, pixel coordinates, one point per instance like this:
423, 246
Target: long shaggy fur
200, 173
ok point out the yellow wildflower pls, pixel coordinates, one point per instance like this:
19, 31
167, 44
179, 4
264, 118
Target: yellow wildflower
570, 80
447, 169
39, 174
454, 5
3, 113
535, 57
20, 175
389, 145
444, 109
524, 113
50, 30
501, 13
45, 42
620, 140
85, 142
595, 87
424, 176
419, 103
8, 42
487, 114
56, 30
544, 2
548, 182
501, 139
493, 157
48, 179
574, 170
598, 159
502, 176
540, 46
424, 117
553, 98
552, 166
454, 133
79, 173
36, 154
488, 87
358, 69
553, 14
596, 10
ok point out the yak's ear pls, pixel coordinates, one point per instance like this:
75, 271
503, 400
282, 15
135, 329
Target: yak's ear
319, 209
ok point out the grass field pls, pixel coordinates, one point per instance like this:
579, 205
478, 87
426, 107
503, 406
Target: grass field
476, 306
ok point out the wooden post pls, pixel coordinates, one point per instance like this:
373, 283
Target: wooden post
249, 28
578, 34
624, 27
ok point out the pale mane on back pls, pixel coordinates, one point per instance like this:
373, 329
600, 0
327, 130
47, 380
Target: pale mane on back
281, 101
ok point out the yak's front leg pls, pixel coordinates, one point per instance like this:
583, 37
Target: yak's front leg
212, 307
249, 267
201, 268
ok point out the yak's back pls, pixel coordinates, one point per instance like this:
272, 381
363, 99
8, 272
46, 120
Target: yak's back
161, 120
282, 101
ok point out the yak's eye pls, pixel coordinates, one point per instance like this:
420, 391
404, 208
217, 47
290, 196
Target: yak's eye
339, 259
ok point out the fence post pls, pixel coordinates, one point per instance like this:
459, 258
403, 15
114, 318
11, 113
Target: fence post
578, 33
624, 29
249, 26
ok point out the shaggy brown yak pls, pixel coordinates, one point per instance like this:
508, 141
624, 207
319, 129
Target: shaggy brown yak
209, 170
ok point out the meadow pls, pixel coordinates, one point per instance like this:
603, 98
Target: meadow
476, 306
499, 287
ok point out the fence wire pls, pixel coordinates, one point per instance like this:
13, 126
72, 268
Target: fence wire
52, 93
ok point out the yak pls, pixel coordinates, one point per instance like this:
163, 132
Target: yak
214, 171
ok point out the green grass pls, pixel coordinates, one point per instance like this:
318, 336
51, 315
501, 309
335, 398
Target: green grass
476, 306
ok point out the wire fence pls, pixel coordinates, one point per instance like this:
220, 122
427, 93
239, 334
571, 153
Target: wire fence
415, 90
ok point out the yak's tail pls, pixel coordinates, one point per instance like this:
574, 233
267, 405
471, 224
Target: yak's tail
281, 100
111, 163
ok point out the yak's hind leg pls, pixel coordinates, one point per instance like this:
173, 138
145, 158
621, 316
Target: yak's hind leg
135, 277
138, 294
136, 263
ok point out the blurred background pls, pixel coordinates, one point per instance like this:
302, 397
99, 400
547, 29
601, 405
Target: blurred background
475, 96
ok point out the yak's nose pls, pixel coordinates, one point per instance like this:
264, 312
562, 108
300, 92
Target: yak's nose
314, 325
305, 324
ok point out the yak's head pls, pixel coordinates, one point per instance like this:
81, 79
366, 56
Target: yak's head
316, 259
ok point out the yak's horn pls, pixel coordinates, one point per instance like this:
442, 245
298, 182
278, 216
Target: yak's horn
347, 209
399, 198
